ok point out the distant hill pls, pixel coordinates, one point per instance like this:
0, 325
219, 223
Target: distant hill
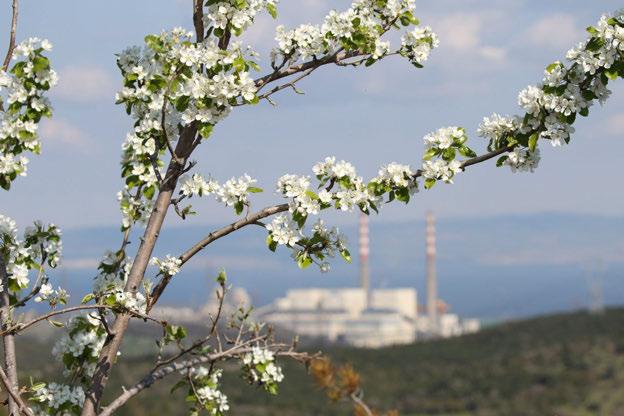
566, 365
493, 268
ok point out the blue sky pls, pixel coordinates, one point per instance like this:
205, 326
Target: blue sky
489, 50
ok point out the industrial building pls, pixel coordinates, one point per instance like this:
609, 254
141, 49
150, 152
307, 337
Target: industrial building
366, 317
358, 316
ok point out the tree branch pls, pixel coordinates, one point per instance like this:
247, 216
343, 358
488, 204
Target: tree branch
215, 235
156, 375
22, 326
7, 58
10, 359
21, 406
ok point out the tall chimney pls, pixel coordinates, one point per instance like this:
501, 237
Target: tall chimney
364, 250
432, 289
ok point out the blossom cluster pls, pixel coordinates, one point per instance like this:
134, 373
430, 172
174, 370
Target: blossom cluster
565, 92
445, 144
57, 399
40, 246
235, 16
169, 266
78, 349
358, 30
204, 391
234, 192
259, 368
22, 105
171, 84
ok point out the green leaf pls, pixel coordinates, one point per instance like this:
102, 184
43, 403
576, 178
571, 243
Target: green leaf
501, 160
533, 141
182, 102
176, 386
206, 130
402, 194
254, 190
88, 298
466, 151
238, 207
449, 154
429, 182
304, 261
56, 323
431, 153
552, 66
221, 278
271, 243
346, 255
611, 74
272, 9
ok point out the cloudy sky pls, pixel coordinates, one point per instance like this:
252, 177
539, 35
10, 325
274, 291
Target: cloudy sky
489, 50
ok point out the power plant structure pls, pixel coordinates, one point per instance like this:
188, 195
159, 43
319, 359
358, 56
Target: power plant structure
367, 317
432, 284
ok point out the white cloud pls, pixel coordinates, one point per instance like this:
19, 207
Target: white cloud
85, 83
462, 33
63, 132
493, 54
80, 263
558, 31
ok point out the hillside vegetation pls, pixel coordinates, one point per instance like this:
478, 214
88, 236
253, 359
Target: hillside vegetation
564, 365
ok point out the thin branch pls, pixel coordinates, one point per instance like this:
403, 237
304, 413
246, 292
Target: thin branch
359, 402
10, 358
22, 326
199, 342
291, 84
174, 368
21, 406
7, 58
41, 279
198, 19
215, 235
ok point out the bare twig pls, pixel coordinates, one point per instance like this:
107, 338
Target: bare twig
359, 402
291, 84
9, 54
215, 235
19, 327
22, 408
156, 375
199, 342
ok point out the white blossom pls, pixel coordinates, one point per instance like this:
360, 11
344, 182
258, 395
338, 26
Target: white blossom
170, 266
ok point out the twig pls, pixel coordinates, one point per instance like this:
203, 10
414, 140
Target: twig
22, 326
198, 343
21, 406
215, 235
7, 58
154, 376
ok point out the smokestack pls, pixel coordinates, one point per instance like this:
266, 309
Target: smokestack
432, 289
364, 250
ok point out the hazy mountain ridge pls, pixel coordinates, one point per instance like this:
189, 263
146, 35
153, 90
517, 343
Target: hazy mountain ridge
493, 267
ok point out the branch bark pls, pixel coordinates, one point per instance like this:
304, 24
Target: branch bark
156, 375
269, 211
8, 340
14, 395
108, 354
7, 58
215, 235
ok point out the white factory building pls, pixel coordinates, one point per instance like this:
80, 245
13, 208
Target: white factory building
368, 318
345, 316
